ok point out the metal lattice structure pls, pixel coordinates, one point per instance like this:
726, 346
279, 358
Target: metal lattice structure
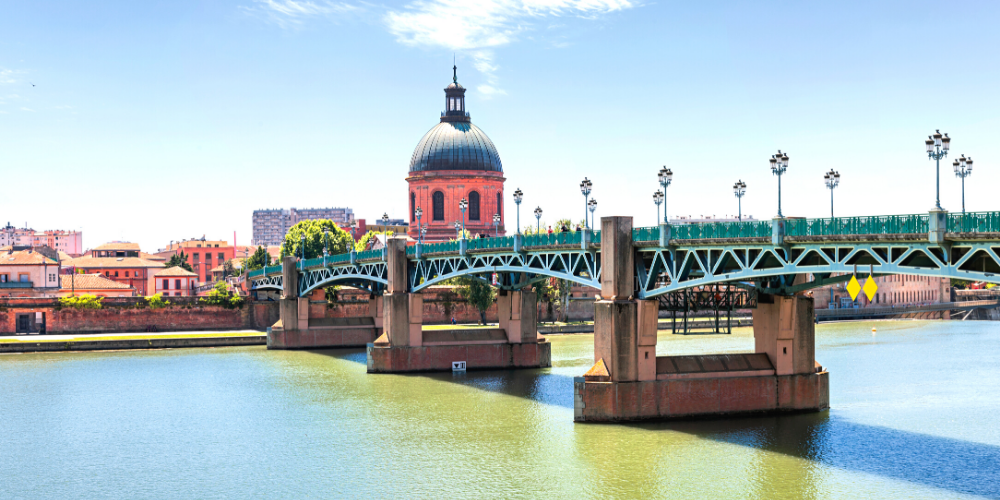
371, 276
579, 266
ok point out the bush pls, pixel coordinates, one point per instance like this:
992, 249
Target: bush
221, 296
157, 302
85, 301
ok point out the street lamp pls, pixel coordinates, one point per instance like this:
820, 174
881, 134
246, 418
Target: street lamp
666, 176
832, 179
302, 249
779, 163
658, 198
418, 212
385, 222
423, 232
462, 205
326, 242
538, 220
496, 225
740, 189
518, 196
593, 206
938, 145
458, 230
585, 187
963, 169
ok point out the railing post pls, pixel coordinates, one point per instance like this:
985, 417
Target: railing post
420, 249
664, 234
778, 231
585, 239
937, 224
354, 257
463, 246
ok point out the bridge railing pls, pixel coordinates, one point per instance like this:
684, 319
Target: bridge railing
564, 238
878, 224
974, 222
255, 273
706, 230
491, 243
369, 254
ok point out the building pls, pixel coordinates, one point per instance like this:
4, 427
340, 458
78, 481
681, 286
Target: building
93, 284
893, 290
28, 272
121, 262
455, 160
202, 254
176, 282
70, 242
271, 225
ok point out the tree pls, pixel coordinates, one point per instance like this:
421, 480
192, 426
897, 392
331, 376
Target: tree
85, 301
180, 260
366, 240
228, 269
478, 294
221, 296
258, 260
340, 241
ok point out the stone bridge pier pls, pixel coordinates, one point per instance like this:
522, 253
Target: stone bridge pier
301, 327
630, 382
406, 347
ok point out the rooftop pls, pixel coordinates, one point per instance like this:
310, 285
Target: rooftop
119, 245
89, 282
112, 262
175, 271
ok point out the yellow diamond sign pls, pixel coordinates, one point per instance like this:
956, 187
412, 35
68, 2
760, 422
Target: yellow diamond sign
853, 288
870, 288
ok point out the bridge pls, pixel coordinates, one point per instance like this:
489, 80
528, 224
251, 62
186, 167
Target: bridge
632, 267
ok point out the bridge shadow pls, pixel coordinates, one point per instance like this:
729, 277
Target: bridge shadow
824, 438
940, 462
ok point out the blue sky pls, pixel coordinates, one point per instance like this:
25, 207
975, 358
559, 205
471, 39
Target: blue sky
156, 121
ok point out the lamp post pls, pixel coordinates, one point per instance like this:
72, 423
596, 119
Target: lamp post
779, 163
938, 145
832, 179
302, 250
538, 220
963, 169
385, 222
418, 213
496, 225
739, 189
592, 205
666, 176
518, 196
585, 187
458, 230
658, 199
326, 243
423, 233
462, 205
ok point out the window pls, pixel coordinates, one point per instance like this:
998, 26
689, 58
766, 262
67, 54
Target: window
195, 256
208, 277
437, 200
177, 284
3, 278
500, 203
23, 278
166, 284
126, 274
52, 277
222, 257
413, 207
474, 205
116, 274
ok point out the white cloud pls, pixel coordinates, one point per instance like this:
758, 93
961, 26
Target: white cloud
28, 109
477, 26
8, 76
291, 13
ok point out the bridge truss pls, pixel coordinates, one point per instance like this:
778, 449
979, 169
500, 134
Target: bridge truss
514, 269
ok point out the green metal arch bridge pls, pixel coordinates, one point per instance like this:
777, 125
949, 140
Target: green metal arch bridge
766, 255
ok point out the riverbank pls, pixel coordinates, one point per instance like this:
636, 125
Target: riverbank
174, 340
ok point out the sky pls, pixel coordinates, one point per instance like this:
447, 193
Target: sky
163, 120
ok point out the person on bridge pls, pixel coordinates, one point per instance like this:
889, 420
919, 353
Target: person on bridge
550, 229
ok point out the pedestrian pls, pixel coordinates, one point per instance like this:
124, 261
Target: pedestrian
453, 320
550, 229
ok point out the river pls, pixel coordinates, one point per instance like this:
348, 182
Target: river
914, 414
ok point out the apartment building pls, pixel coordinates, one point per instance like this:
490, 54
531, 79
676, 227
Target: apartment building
203, 255
270, 225
70, 242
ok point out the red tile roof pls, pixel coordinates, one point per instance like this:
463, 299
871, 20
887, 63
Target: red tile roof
175, 271
119, 245
23, 257
112, 263
90, 282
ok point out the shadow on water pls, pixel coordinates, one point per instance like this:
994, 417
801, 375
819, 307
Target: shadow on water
940, 462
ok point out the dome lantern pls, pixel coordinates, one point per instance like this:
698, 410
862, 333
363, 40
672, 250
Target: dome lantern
454, 101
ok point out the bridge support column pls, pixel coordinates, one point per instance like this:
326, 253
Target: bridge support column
629, 382
405, 347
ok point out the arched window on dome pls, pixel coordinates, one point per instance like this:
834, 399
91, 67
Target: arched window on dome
474, 205
437, 199
500, 203
413, 206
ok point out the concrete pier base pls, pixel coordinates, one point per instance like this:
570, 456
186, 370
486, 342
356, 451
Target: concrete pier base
715, 386
481, 350
329, 334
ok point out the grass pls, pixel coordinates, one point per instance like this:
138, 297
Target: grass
89, 338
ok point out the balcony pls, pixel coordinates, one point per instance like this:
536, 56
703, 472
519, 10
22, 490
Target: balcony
16, 284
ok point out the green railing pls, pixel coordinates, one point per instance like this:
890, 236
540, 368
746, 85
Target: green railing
565, 238
272, 270
974, 222
714, 230
444, 246
255, 273
877, 224
491, 243
646, 233
596, 238
341, 258
411, 250
370, 254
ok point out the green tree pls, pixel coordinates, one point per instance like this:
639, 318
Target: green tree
228, 269
157, 301
258, 260
365, 240
221, 296
85, 301
340, 241
180, 260
478, 294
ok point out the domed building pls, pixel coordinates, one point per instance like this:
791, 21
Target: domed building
455, 160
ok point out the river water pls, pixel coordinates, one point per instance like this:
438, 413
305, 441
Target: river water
914, 414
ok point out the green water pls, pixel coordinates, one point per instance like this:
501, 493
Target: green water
914, 415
